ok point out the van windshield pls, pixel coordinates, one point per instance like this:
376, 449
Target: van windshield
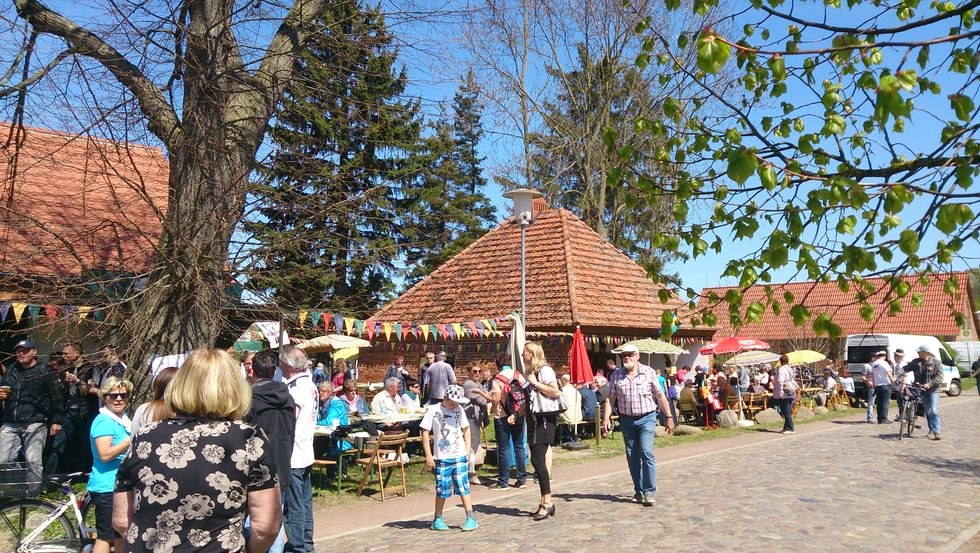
861, 354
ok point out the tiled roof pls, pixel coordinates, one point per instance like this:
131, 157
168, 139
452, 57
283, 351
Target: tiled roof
932, 318
573, 276
73, 202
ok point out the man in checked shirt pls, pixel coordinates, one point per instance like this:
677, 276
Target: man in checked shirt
634, 388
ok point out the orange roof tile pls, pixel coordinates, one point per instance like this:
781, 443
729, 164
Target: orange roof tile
573, 276
932, 318
72, 202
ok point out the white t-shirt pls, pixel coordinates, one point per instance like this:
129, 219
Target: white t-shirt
304, 394
446, 426
880, 372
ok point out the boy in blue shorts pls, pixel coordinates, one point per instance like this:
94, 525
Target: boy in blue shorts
447, 422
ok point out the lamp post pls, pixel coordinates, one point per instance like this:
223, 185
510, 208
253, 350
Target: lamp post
523, 198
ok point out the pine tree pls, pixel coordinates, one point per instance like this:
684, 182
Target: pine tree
333, 208
453, 208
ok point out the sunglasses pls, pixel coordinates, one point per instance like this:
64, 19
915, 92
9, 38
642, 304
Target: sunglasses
115, 396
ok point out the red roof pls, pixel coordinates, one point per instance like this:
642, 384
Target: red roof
932, 318
71, 202
573, 276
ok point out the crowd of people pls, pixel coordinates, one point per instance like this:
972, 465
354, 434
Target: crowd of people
251, 424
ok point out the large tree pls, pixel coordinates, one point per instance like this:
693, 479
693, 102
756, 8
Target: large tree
847, 149
337, 192
207, 98
451, 205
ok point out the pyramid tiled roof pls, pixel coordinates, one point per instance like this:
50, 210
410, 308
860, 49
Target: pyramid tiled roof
573, 276
932, 318
72, 202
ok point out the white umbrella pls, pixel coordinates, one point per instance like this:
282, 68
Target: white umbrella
332, 342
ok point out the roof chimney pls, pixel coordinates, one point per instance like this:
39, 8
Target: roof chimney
525, 204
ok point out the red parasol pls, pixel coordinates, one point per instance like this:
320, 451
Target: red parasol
732, 344
580, 369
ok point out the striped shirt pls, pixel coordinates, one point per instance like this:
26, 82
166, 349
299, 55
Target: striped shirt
637, 395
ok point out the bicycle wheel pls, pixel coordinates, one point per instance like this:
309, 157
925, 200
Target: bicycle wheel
20, 518
913, 414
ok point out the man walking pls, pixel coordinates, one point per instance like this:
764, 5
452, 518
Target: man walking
634, 389
32, 402
440, 375
299, 496
928, 373
274, 411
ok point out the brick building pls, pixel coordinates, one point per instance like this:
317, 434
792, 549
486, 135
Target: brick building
573, 277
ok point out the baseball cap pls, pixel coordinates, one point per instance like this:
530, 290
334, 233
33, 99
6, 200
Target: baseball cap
924, 348
24, 342
629, 348
455, 393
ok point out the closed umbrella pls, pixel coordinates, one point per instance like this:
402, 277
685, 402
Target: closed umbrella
732, 344
515, 346
580, 369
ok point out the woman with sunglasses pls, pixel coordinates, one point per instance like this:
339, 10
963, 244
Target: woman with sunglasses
109, 439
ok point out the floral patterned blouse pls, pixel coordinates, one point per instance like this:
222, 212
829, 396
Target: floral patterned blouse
190, 479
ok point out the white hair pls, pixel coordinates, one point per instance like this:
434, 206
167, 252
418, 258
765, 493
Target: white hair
293, 357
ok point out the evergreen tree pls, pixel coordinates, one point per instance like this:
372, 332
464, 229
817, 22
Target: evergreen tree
333, 208
574, 169
453, 208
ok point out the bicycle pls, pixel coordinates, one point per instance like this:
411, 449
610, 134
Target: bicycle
913, 400
31, 524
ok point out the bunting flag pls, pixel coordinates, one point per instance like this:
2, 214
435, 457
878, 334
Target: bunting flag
4, 309
51, 310
359, 327
338, 323
34, 311
387, 329
315, 317
302, 317
99, 315
425, 332
403, 329
472, 326
399, 331
18, 310
349, 325
369, 329
458, 329
83, 312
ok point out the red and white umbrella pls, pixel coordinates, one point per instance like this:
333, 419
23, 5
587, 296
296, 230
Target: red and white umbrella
732, 344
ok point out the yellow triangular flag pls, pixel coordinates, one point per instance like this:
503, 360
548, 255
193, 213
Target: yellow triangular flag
349, 324
18, 309
387, 329
425, 333
83, 312
303, 313
458, 327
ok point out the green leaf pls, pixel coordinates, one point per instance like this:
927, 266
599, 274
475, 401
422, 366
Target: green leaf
962, 105
867, 312
800, 314
712, 53
908, 242
741, 164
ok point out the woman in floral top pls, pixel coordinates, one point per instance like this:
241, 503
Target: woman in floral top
188, 482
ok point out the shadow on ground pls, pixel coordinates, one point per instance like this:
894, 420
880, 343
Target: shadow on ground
954, 469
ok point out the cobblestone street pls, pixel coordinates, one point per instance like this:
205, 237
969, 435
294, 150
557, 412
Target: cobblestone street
842, 485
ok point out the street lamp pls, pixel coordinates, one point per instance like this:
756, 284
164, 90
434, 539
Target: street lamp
523, 198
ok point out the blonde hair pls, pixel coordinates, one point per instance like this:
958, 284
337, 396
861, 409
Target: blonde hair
209, 385
537, 357
114, 382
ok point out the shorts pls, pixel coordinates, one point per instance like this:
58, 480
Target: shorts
452, 475
103, 516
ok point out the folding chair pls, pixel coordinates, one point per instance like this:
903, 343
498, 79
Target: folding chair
376, 461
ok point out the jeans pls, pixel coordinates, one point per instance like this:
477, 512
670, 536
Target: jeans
638, 438
883, 395
930, 402
298, 500
73, 429
785, 405
510, 450
26, 437
871, 403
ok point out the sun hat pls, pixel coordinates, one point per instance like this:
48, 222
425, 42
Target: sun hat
900, 351
455, 393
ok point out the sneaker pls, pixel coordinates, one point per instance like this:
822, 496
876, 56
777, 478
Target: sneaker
470, 524
936, 437
648, 500
788, 432
929, 434
498, 486
638, 498
439, 524
520, 485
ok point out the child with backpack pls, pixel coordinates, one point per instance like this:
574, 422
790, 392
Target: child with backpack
447, 453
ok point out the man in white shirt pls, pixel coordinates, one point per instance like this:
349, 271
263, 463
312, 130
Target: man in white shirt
387, 402
881, 378
298, 499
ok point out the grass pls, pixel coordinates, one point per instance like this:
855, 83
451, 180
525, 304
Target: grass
420, 480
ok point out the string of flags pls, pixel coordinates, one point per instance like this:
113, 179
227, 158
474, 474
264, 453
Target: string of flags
402, 330
51, 311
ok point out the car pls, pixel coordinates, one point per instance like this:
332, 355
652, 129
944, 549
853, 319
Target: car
860, 347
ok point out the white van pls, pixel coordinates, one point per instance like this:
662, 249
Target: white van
860, 347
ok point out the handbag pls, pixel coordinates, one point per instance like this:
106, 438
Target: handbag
544, 405
790, 387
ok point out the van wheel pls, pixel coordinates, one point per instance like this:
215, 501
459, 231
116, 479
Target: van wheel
954, 388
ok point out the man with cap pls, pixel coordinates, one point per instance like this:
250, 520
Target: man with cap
32, 407
881, 378
440, 375
634, 388
928, 372
898, 368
